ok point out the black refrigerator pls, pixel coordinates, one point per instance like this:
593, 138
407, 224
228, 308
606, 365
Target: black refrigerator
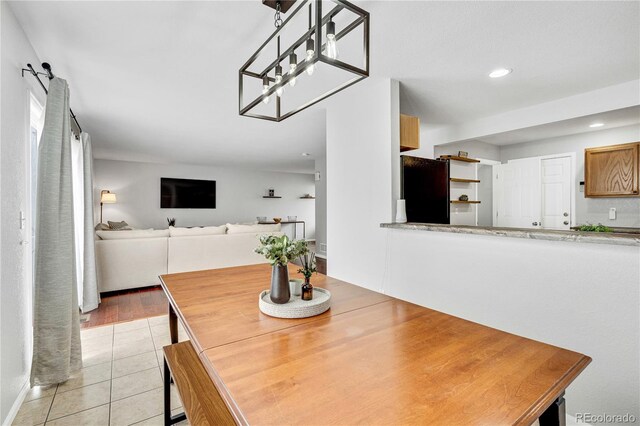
425, 189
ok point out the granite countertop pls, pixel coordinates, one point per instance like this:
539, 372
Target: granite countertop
624, 239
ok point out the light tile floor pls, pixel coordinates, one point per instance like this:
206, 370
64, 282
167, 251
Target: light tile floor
120, 384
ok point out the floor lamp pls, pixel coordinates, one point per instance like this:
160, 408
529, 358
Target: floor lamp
106, 197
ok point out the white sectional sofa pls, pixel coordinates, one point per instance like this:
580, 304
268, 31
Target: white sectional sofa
132, 259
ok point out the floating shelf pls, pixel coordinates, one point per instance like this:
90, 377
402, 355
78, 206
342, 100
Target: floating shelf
307, 198
268, 196
456, 158
464, 202
464, 180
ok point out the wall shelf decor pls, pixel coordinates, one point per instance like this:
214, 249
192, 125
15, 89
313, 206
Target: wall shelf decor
456, 158
271, 196
464, 202
263, 78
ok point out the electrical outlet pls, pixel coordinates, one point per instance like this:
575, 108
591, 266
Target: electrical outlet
612, 213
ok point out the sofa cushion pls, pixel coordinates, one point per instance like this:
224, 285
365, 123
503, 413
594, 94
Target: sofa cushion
138, 233
205, 230
252, 229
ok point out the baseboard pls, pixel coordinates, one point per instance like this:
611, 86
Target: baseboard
321, 256
17, 404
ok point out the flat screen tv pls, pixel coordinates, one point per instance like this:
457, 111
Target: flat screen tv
187, 193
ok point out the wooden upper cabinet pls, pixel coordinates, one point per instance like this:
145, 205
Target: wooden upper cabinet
409, 132
612, 171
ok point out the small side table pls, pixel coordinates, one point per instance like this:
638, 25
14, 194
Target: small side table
295, 226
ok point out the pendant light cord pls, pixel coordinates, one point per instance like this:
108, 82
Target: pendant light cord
277, 20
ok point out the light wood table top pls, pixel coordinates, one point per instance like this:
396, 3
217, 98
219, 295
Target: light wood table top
370, 359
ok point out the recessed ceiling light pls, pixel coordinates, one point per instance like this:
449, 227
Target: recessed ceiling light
500, 72
596, 125
305, 154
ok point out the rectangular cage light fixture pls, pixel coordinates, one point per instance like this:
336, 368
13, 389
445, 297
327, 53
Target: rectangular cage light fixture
262, 83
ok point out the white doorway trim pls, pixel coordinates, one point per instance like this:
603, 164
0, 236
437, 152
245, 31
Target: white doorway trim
485, 162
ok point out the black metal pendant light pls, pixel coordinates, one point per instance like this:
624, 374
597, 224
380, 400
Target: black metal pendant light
260, 83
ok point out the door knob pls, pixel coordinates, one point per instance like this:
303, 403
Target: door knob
565, 214
534, 223
566, 222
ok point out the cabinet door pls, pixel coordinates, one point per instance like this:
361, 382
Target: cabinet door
612, 171
409, 132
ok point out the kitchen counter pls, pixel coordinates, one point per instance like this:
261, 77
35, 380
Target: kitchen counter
625, 239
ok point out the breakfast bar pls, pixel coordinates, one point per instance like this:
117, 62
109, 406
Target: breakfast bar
370, 359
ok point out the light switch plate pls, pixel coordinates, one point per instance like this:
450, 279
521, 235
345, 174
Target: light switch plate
612, 213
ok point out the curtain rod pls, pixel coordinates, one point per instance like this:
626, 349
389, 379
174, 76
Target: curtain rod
50, 76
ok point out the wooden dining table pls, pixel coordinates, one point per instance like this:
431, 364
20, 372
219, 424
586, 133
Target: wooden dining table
370, 359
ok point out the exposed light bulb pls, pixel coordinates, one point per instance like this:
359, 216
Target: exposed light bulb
280, 89
310, 51
293, 64
265, 89
332, 48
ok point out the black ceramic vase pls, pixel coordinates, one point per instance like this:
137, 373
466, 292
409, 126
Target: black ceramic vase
280, 292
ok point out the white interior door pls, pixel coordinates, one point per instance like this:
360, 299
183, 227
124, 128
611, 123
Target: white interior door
556, 193
516, 191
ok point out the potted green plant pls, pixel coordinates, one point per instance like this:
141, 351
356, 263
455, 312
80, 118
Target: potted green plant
308, 262
279, 250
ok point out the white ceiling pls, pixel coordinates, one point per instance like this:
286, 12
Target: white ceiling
157, 81
610, 119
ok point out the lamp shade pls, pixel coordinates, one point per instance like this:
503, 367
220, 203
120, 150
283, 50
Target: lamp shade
107, 197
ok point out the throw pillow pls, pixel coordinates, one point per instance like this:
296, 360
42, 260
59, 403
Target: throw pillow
118, 226
102, 227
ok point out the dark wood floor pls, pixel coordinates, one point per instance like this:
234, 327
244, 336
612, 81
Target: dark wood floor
129, 305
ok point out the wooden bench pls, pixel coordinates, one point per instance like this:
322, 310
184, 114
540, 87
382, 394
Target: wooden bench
202, 403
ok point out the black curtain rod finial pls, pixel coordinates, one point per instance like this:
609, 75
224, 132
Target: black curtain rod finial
47, 67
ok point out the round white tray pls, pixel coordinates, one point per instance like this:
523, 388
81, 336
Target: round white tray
296, 307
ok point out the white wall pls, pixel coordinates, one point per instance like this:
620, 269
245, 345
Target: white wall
588, 210
321, 206
583, 297
15, 290
361, 147
238, 194
579, 296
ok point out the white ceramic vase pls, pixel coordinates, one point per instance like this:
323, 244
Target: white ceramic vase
295, 286
401, 211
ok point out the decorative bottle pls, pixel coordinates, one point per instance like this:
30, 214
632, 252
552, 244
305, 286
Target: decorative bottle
307, 289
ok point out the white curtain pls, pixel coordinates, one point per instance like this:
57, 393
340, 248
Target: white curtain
82, 167
56, 337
